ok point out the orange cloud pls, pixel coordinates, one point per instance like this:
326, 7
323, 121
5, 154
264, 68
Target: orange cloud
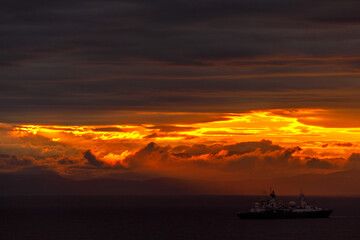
220, 146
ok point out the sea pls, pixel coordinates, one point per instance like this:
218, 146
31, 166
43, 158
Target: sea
166, 217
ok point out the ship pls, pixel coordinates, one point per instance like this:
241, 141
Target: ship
274, 209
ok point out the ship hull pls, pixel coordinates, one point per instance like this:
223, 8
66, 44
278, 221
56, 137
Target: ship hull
284, 214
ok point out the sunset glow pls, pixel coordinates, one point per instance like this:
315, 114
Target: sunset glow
233, 92
212, 141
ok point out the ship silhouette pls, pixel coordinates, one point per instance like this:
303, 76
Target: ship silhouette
273, 209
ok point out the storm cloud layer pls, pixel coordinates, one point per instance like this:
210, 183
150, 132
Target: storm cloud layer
79, 62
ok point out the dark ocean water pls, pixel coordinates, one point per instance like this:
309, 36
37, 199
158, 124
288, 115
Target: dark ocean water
165, 217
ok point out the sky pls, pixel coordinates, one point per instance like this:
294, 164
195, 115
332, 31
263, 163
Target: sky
218, 90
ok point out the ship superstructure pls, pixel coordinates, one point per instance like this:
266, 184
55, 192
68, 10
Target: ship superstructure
273, 208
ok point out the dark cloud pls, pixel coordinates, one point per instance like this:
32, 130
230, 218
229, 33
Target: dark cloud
108, 129
92, 160
244, 155
344, 144
12, 161
320, 164
257, 158
171, 128
245, 147
233, 149
196, 150
66, 161
153, 135
354, 161
242, 160
175, 135
87, 59
152, 158
34, 145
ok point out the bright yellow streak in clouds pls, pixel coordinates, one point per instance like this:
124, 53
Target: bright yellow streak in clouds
283, 127
113, 159
126, 135
121, 132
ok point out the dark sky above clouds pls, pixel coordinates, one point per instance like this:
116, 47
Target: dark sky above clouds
93, 62
164, 88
